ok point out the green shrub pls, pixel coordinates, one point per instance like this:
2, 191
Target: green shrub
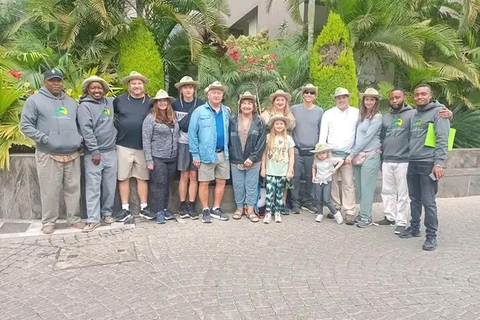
138, 52
331, 62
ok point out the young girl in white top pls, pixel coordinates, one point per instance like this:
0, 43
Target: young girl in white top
324, 166
277, 165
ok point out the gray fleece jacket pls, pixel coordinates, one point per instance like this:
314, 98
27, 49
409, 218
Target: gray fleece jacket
396, 133
425, 115
95, 119
159, 140
51, 122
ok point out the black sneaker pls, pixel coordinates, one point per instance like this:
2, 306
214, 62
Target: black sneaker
206, 216
330, 216
296, 210
123, 215
168, 214
147, 214
430, 244
385, 222
409, 233
192, 212
309, 208
183, 211
287, 211
217, 213
399, 229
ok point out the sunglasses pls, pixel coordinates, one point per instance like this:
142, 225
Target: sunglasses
310, 92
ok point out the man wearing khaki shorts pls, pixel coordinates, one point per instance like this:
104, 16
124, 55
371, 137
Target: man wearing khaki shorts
130, 110
210, 156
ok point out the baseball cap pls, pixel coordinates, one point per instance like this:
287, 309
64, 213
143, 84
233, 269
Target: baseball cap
52, 73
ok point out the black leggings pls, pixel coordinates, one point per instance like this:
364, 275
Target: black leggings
160, 178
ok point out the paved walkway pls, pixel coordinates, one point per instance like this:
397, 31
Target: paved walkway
239, 270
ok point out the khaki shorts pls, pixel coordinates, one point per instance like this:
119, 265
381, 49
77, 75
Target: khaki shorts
131, 163
212, 171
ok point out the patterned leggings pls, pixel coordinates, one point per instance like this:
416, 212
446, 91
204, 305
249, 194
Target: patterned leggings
274, 198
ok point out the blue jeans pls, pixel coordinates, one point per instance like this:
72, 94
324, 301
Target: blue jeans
322, 197
422, 191
245, 186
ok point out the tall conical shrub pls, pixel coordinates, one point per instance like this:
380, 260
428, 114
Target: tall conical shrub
139, 52
331, 62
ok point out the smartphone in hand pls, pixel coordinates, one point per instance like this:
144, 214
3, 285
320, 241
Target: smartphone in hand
432, 176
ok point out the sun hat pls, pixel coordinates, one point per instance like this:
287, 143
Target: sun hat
91, 79
247, 96
187, 80
278, 117
341, 92
134, 75
215, 85
161, 94
52, 73
280, 93
371, 92
310, 87
320, 147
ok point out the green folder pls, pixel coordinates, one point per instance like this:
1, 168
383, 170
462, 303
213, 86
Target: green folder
431, 141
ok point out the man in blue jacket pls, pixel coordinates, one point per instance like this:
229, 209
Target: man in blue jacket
208, 142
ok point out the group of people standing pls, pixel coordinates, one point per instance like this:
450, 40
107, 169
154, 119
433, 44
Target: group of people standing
135, 136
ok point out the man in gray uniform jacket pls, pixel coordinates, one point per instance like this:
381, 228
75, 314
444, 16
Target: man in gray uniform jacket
425, 166
95, 119
49, 118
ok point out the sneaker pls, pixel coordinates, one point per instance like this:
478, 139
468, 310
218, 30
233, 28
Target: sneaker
364, 223
79, 225
168, 214
430, 244
330, 216
91, 226
399, 229
48, 228
278, 217
108, 219
357, 218
123, 215
267, 218
192, 212
287, 211
338, 217
161, 217
206, 218
183, 211
296, 210
410, 233
349, 220
217, 213
147, 214
319, 218
385, 222
310, 208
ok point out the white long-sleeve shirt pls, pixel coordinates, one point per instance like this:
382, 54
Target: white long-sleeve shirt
338, 128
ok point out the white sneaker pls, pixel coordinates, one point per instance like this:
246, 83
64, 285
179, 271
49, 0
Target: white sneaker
278, 217
267, 218
338, 217
319, 218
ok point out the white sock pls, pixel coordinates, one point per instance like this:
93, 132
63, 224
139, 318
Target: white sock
213, 208
143, 206
126, 206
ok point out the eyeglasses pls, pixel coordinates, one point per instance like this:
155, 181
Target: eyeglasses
310, 92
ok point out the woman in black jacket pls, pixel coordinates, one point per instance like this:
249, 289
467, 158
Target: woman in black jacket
246, 146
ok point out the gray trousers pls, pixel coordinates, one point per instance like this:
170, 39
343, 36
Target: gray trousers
52, 177
302, 165
100, 184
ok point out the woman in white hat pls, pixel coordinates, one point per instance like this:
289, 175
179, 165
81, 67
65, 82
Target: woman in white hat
280, 101
160, 133
365, 155
246, 147
184, 106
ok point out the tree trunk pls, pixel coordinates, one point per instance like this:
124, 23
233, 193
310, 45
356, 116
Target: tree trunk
311, 22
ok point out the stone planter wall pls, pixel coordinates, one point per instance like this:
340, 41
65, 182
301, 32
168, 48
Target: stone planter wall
20, 193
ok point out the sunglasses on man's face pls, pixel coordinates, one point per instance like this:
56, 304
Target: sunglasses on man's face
310, 92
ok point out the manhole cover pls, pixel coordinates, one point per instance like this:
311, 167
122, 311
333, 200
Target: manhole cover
95, 255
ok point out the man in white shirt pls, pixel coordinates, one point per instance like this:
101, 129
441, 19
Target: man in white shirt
338, 132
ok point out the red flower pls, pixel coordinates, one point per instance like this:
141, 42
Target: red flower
243, 68
234, 55
273, 56
14, 73
270, 67
253, 59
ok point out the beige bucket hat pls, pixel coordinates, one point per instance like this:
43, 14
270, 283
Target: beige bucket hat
320, 147
279, 117
341, 92
310, 87
91, 79
134, 75
247, 96
371, 92
187, 80
280, 93
161, 94
215, 85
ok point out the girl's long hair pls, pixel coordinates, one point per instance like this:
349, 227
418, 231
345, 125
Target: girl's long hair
364, 114
271, 141
163, 116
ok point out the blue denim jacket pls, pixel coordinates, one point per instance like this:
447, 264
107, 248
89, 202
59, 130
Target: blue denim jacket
202, 133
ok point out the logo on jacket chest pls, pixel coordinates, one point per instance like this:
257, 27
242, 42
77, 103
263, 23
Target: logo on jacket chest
61, 113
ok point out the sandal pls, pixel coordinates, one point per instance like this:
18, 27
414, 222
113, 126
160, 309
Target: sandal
237, 215
253, 217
